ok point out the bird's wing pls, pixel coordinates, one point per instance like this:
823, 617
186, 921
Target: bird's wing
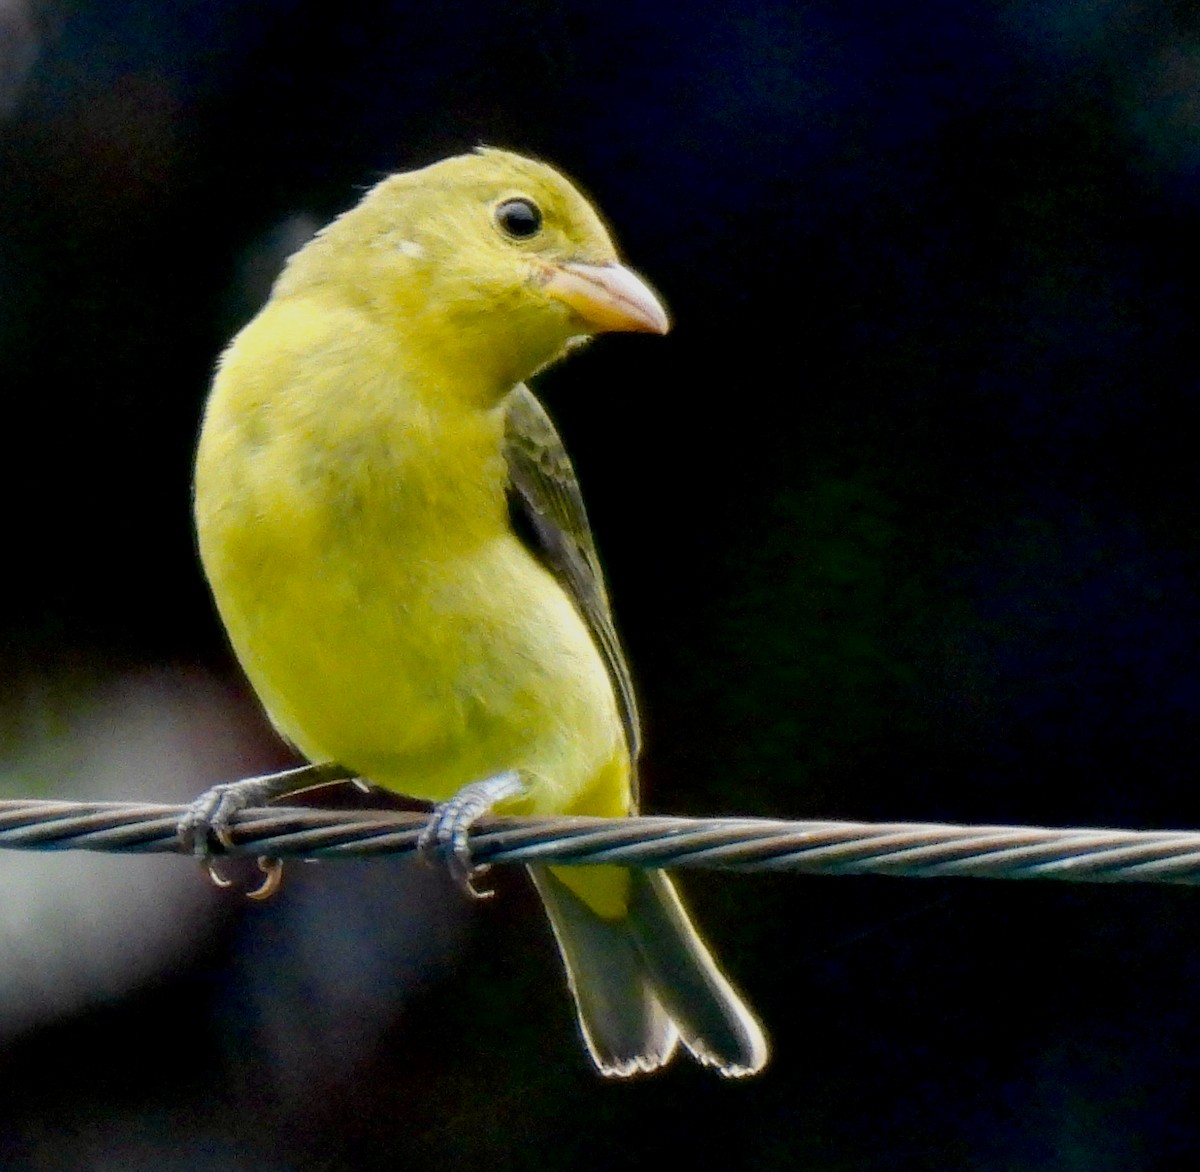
547, 512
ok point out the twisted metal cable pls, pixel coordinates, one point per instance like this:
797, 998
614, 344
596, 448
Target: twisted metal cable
734, 844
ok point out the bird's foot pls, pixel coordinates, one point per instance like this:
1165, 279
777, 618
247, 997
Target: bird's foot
445, 838
207, 821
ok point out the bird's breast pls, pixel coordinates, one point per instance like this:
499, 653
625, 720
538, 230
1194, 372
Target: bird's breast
382, 609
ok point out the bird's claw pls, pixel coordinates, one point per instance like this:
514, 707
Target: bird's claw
209, 817
446, 840
446, 837
214, 876
208, 822
272, 870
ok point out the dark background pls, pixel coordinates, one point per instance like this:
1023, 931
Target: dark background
900, 524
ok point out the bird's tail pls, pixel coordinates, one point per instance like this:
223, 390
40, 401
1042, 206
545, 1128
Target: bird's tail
646, 980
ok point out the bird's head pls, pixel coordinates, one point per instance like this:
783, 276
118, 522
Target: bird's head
493, 258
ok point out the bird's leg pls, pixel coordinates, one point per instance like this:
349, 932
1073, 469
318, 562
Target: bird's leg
445, 837
213, 811
210, 815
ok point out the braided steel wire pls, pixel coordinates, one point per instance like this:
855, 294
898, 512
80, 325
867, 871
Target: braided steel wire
732, 844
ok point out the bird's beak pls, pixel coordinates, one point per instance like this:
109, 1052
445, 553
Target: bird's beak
607, 298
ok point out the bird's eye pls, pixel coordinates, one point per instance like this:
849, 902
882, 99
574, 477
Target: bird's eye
519, 218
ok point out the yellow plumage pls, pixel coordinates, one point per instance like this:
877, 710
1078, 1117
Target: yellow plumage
365, 445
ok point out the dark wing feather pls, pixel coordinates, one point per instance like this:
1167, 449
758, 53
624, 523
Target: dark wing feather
547, 513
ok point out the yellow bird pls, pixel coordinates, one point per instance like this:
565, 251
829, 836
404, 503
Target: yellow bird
399, 550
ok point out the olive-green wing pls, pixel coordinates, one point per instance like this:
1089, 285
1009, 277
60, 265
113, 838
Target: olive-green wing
548, 514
